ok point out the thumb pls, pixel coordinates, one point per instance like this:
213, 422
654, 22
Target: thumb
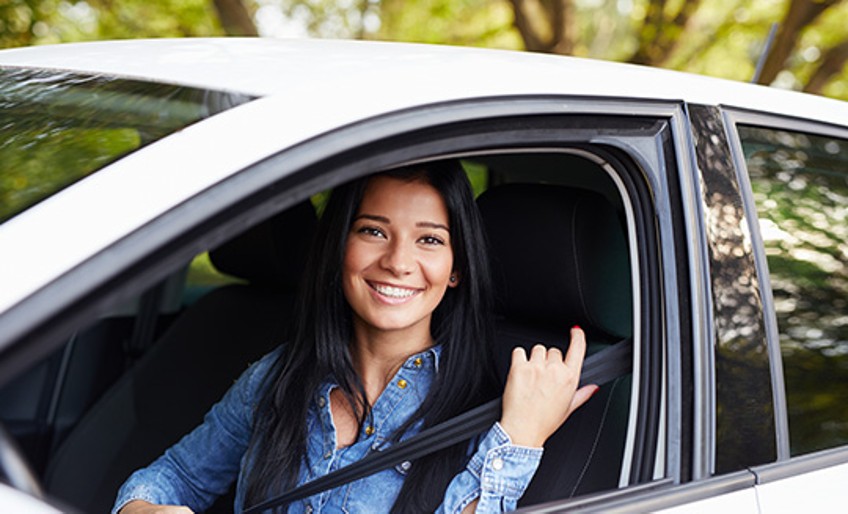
582, 395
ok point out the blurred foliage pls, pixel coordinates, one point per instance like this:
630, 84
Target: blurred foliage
801, 191
722, 38
28, 22
57, 128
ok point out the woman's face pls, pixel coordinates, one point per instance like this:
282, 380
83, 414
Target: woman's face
398, 258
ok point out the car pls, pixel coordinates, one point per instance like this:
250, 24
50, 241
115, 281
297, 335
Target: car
157, 198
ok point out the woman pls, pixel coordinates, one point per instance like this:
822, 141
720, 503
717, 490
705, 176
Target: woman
391, 336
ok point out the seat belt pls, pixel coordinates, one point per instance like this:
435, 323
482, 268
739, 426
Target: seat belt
599, 368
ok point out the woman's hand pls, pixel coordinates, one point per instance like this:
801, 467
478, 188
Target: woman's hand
142, 507
541, 392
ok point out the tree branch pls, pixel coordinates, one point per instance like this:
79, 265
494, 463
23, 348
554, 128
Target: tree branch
531, 39
235, 18
832, 63
800, 14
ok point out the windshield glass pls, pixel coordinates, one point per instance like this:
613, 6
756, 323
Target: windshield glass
58, 127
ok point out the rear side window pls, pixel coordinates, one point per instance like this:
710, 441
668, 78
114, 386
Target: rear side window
58, 127
800, 187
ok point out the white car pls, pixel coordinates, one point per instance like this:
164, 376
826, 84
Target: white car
156, 198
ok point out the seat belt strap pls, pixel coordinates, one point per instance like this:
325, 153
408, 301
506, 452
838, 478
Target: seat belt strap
598, 368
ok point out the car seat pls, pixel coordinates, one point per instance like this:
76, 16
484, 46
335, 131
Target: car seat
560, 258
169, 389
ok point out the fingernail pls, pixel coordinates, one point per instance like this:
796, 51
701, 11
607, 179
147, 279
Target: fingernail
597, 388
577, 327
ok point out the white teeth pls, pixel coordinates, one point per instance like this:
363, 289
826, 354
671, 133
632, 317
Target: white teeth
394, 292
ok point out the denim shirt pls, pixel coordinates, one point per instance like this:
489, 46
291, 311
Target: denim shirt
202, 465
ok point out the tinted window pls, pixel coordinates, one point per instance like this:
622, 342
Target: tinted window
800, 185
57, 127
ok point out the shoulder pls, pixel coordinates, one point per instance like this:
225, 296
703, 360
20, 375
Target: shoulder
259, 373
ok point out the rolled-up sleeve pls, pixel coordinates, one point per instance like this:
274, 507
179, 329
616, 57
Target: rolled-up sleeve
497, 475
203, 464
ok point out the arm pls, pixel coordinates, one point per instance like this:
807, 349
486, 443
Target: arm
541, 393
202, 465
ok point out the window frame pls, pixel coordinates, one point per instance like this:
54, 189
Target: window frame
735, 117
147, 255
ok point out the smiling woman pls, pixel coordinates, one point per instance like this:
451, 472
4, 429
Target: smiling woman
392, 335
398, 260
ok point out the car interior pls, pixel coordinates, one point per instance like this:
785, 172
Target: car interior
122, 390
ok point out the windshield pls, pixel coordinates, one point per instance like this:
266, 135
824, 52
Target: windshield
58, 127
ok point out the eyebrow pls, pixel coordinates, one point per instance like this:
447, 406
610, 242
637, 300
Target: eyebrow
383, 219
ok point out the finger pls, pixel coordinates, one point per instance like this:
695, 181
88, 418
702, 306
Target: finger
538, 353
577, 348
582, 395
518, 355
555, 354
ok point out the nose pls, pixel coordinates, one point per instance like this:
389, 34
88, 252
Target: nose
398, 258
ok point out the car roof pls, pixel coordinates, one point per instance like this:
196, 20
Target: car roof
425, 73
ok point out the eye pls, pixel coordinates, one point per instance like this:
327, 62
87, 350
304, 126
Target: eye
370, 231
432, 240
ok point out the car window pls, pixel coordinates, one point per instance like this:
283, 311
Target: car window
58, 127
230, 297
800, 187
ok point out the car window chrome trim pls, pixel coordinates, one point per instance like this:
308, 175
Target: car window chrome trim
703, 322
652, 496
781, 412
781, 122
800, 465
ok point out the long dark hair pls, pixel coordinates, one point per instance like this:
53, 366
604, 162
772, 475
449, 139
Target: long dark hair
320, 346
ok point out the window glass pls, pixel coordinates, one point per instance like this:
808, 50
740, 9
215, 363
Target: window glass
800, 186
58, 127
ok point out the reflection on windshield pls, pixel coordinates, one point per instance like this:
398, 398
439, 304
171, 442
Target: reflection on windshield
800, 186
58, 127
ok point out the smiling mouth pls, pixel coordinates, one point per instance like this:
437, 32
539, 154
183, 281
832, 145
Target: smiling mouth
394, 292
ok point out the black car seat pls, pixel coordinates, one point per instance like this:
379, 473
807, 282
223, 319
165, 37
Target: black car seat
560, 258
169, 389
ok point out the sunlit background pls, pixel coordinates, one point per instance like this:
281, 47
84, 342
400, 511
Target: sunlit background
723, 38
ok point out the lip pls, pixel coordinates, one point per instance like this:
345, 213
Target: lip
383, 296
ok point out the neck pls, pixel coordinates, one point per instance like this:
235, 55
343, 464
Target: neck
378, 355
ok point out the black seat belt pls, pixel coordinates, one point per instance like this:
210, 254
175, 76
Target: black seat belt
598, 368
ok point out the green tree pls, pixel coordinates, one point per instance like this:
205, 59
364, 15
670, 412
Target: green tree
722, 38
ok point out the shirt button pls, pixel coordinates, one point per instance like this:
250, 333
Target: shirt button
418, 362
321, 401
402, 383
308, 509
405, 465
369, 430
497, 464
328, 455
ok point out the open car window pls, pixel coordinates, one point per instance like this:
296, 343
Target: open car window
569, 222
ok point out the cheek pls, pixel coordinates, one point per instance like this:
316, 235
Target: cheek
439, 270
352, 263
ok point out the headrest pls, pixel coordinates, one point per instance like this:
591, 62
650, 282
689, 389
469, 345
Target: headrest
273, 252
560, 257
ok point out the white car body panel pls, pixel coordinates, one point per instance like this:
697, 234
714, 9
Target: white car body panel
816, 491
738, 502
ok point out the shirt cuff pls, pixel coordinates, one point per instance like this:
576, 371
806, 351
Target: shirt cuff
504, 469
